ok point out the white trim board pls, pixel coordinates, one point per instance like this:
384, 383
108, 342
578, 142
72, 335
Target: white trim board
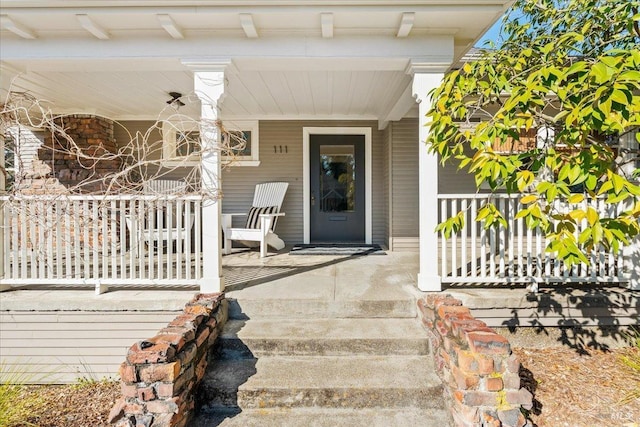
306, 199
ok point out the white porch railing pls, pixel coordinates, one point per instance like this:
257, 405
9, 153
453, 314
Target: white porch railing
515, 253
101, 240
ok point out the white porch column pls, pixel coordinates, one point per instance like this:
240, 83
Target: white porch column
428, 278
209, 83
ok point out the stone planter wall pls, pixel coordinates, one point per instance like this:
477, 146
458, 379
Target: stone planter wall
160, 374
480, 373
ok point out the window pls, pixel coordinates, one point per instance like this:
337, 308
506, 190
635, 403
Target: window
19, 147
181, 142
240, 143
182, 146
8, 174
527, 141
630, 153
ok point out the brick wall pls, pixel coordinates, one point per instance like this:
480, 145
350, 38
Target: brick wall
480, 373
160, 374
78, 159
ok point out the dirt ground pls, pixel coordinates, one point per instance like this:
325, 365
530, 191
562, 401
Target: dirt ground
579, 390
570, 390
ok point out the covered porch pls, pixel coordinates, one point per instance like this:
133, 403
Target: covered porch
282, 74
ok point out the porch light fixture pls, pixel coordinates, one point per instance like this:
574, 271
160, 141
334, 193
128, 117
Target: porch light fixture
175, 100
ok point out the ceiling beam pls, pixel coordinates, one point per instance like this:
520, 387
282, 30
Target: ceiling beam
246, 20
326, 21
170, 26
432, 49
399, 108
406, 24
17, 29
95, 29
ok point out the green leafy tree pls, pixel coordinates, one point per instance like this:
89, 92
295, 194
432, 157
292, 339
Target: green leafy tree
567, 71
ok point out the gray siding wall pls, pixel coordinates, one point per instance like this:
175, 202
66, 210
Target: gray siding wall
404, 202
404, 178
238, 182
63, 346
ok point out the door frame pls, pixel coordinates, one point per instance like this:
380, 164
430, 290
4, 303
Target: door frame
306, 182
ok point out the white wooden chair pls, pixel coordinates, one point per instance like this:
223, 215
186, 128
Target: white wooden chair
159, 224
261, 219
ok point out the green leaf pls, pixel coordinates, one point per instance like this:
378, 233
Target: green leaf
576, 198
592, 216
621, 97
599, 71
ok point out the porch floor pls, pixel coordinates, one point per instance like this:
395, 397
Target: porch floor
383, 277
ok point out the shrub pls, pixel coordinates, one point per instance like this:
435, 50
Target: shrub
16, 406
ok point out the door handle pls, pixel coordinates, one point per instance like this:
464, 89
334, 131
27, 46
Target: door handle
313, 199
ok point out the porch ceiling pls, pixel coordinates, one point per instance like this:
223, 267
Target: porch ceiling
293, 89
290, 59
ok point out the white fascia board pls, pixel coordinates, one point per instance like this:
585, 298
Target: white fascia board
17, 29
170, 26
89, 25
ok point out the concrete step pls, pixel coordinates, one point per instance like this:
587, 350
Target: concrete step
325, 381
399, 307
268, 337
326, 417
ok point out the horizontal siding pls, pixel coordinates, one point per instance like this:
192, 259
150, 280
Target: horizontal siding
405, 190
405, 244
379, 184
404, 179
238, 182
60, 347
534, 317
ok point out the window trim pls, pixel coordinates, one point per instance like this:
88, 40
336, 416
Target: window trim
244, 126
170, 128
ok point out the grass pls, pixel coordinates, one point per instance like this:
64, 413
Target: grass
16, 407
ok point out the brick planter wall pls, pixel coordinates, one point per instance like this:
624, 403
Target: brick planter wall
161, 374
480, 373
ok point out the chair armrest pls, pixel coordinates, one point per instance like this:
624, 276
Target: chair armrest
235, 214
272, 214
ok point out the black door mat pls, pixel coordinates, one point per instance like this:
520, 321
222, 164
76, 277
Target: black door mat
336, 249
